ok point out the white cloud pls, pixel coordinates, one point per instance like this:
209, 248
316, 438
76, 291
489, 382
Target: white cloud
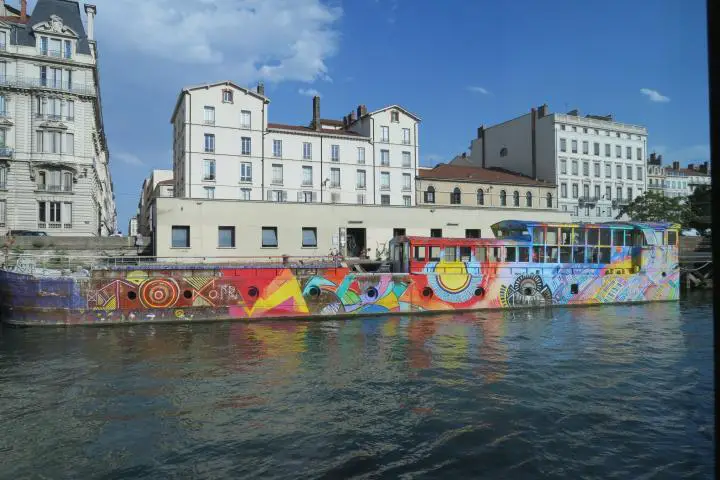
654, 95
476, 89
128, 158
245, 40
309, 92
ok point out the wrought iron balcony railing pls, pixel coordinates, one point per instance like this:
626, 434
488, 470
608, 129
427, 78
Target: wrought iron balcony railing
21, 82
6, 152
50, 187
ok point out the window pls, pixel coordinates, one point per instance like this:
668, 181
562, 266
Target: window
575, 190
227, 96
209, 142
528, 199
306, 197
629, 194
639, 175
361, 199
596, 149
361, 155
384, 199
277, 174
503, 198
563, 190
407, 201
516, 198
607, 149
277, 196
629, 172
628, 153
586, 169
407, 179
226, 237
608, 170
307, 150
596, 170
430, 195
384, 134
384, 180
574, 167
618, 193
277, 148
394, 116
563, 145
385, 158
244, 194
3, 176
246, 172
269, 237
309, 237
472, 233
70, 143
586, 191
209, 115
361, 180
639, 154
335, 178
3, 213
503, 152
406, 162
549, 200
586, 147
208, 169
618, 171
608, 193
406, 136
618, 151
435, 233
245, 119
563, 166
209, 193
180, 236
246, 146
335, 153
574, 146
597, 191
480, 197
307, 176
455, 196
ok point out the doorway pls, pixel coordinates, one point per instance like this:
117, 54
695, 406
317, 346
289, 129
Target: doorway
356, 241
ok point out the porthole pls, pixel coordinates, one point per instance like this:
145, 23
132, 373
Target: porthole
372, 292
132, 295
253, 292
427, 292
187, 294
574, 288
664, 274
479, 292
314, 291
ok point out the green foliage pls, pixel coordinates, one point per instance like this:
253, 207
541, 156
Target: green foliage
656, 207
700, 204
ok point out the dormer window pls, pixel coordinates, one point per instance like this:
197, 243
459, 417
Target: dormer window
55, 47
394, 116
227, 96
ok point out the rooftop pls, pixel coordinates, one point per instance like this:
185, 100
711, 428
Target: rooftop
304, 129
479, 175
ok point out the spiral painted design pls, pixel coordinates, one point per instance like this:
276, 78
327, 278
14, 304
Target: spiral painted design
159, 293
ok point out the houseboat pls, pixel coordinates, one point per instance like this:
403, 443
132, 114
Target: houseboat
526, 264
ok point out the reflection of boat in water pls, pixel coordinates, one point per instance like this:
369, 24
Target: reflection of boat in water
528, 264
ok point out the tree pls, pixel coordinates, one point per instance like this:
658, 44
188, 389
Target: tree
700, 204
656, 207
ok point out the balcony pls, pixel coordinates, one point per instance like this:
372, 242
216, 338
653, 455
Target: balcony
5, 114
6, 152
53, 117
46, 83
209, 178
56, 54
588, 200
49, 187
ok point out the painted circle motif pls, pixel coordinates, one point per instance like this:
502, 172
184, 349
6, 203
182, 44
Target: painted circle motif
454, 282
159, 293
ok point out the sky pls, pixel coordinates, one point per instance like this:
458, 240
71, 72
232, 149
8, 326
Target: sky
456, 64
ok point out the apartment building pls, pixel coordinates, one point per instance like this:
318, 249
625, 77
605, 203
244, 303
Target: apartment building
597, 163
54, 172
656, 175
682, 182
159, 183
224, 147
485, 188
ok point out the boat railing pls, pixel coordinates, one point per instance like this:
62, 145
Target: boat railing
67, 263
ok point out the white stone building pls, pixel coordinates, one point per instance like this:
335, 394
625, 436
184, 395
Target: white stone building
225, 148
132, 227
656, 174
160, 183
598, 164
54, 172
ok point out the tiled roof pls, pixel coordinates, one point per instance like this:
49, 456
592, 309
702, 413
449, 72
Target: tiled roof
478, 175
300, 128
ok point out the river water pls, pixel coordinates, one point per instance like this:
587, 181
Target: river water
602, 392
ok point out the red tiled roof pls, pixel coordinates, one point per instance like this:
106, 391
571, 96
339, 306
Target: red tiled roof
478, 174
301, 128
329, 121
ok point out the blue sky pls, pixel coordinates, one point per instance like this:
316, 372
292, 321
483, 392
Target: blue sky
455, 63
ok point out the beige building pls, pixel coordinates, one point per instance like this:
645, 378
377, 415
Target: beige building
160, 183
486, 188
208, 229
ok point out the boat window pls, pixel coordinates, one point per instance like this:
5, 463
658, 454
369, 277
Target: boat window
592, 236
629, 238
579, 236
494, 254
538, 254
579, 254
671, 237
639, 239
450, 254
551, 255
618, 238
510, 254
434, 254
593, 255
565, 236
465, 254
420, 253
604, 255
565, 255
539, 235
604, 236
524, 254
551, 237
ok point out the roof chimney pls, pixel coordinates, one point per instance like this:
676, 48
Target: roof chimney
363, 111
90, 11
316, 112
691, 166
481, 131
676, 165
652, 158
261, 89
542, 110
352, 117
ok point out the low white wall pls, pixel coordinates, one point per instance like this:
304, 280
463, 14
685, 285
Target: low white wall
205, 216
